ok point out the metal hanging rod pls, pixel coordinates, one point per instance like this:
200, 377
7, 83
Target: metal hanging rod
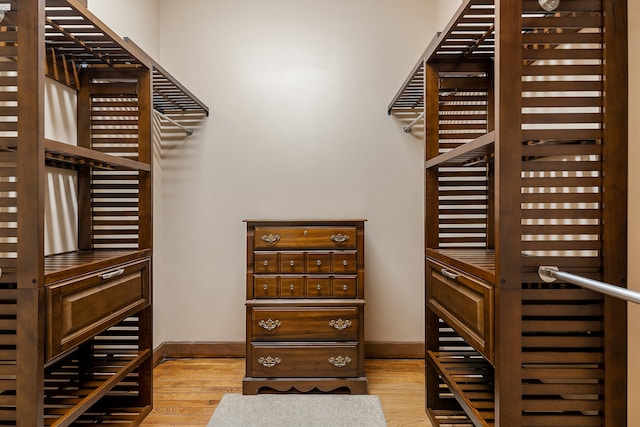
410, 126
188, 131
549, 274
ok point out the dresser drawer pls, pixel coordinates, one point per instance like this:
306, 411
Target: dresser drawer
464, 303
304, 237
318, 262
265, 286
292, 287
344, 286
304, 324
265, 262
304, 360
79, 308
318, 287
292, 262
344, 262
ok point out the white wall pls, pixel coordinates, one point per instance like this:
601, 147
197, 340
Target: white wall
61, 207
445, 10
298, 92
137, 20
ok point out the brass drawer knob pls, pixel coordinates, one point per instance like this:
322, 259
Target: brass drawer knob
339, 361
269, 324
345, 287
319, 287
291, 287
345, 262
265, 286
269, 362
265, 262
339, 238
292, 263
340, 324
270, 238
318, 262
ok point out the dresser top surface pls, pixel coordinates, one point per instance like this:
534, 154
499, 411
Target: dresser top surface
290, 222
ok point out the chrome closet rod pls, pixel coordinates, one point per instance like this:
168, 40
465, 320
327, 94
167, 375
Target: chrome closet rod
408, 128
549, 274
169, 119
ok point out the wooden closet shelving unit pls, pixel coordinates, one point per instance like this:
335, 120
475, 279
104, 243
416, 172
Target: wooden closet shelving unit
76, 327
525, 117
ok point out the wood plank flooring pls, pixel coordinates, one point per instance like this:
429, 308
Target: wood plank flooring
187, 391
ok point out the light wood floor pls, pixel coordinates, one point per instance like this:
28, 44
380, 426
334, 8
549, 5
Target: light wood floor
187, 391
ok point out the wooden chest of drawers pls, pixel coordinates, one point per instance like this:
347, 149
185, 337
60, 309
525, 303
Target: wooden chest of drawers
305, 306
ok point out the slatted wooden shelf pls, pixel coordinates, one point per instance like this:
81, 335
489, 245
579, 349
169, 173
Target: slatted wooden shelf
78, 36
115, 416
59, 153
169, 95
448, 418
70, 385
75, 38
410, 97
470, 379
469, 37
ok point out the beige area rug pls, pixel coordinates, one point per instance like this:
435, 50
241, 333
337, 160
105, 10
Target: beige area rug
298, 410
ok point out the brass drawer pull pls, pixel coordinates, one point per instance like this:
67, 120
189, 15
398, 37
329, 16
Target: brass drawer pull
340, 324
319, 287
265, 262
265, 286
318, 262
345, 262
339, 238
269, 362
292, 263
269, 324
449, 274
291, 287
270, 238
112, 274
345, 287
340, 361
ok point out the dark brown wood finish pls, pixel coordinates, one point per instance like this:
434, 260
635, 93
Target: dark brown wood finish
615, 158
305, 306
29, 328
552, 154
76, 327
507, 222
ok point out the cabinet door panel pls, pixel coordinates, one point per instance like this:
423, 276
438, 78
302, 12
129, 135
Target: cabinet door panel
81, 307
465, 304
